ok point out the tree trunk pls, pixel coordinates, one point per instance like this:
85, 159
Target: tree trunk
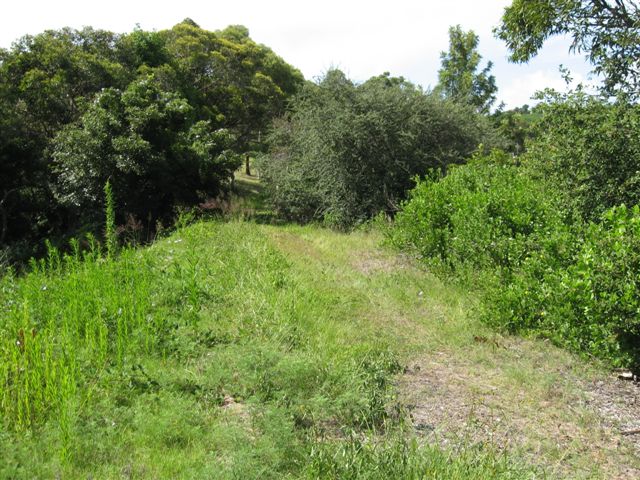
247, 167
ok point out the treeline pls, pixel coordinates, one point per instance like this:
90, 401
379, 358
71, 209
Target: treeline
163, 115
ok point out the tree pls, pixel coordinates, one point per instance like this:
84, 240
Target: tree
515, 125
64, 90
607, 31
151, 147
589, 147
458, 78
229, 78
346, 152
44, 82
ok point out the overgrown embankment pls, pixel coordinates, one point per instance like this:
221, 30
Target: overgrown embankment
226, 350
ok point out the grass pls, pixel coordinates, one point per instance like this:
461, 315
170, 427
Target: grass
233, 349
214, 353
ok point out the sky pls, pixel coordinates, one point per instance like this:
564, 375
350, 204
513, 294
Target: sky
362, 38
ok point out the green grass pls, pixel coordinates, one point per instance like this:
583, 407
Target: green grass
227, 350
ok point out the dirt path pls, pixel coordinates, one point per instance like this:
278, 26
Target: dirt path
464, 384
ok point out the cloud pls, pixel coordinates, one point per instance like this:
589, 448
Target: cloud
518, 91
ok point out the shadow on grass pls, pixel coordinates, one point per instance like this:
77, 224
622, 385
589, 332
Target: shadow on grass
250, 200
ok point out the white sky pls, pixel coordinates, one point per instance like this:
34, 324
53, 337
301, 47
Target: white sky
363, 38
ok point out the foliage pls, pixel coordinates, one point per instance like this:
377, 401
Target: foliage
54, 91
347, 152
588, 301
44, 82
608, 31
229, 78
516, 126
148, 143
489, 214
544, 271
458, 78
589, 148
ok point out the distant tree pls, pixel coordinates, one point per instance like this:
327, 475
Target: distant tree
459, 79
515, 125
607, 31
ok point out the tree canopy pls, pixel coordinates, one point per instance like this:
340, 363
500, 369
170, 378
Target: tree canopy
607, 31
80, 105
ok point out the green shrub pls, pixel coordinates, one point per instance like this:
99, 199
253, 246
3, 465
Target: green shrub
487, 214
348, 151
550, 274
589, 304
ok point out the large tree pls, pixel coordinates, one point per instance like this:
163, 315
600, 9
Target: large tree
150, 145
348, 151
459, 78
607, 31
229, 78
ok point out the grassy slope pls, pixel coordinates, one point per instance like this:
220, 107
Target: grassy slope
228, 351
237, 350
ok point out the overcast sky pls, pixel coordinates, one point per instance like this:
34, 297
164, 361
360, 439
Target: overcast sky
363, 38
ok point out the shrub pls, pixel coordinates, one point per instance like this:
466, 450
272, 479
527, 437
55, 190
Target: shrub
589, 304
487, 214
347, 151
551, 274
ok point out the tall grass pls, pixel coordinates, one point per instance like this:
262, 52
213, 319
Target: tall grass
69, 318
206, 355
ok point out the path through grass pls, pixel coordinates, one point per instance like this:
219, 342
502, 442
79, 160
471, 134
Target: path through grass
238, 350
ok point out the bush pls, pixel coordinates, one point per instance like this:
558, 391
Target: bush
589, 147
551, 274
487, 214
591, 303
347, 151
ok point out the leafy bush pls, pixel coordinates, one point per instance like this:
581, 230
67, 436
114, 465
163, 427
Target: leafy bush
551, 274
589, 304
347, 151
589, 147
488, 214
